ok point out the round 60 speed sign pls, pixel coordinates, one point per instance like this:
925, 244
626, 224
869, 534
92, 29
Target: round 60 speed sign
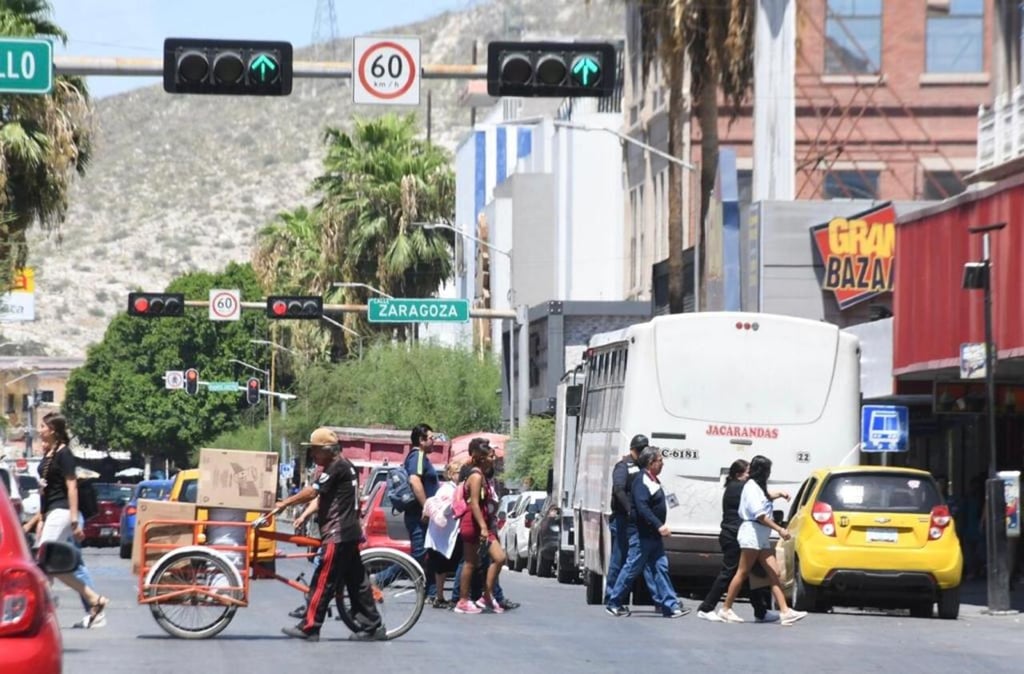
386, 70
225, 305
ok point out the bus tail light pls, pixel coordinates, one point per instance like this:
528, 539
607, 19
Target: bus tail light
744, 325
940, 520
822, 515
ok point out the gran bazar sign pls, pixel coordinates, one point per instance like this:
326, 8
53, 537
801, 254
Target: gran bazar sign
858, 253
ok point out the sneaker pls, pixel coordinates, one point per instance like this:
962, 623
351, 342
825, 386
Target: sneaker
380, 633
729, 616
466, 606
298, 613
678, 612
617, 611
791, 616
90, 622
710, 616
768, 617
494, 606
299, 633
508, 604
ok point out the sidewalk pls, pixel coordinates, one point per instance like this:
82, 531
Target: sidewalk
975, 593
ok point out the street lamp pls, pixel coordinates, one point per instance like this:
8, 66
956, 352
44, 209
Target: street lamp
348, 330
512, 335
353, 284
267, 342
978, 276
250, 366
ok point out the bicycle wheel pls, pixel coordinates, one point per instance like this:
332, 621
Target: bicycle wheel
399, 587
194, 615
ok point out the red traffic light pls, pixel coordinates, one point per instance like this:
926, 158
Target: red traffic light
295, 306
279, 308
191, 381
150, 305
252, 391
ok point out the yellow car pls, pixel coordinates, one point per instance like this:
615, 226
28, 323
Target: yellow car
185, 489
872, 536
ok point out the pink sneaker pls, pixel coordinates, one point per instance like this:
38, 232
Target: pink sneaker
494, 606
466, 606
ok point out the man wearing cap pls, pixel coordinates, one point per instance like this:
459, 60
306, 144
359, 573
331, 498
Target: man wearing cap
622, 524
340, 531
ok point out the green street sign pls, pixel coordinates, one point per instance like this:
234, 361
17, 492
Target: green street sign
586, 71
263, 68
26, 66
222, 386
428, 310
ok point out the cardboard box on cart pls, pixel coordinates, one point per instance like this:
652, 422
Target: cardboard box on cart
176, 535
237, 479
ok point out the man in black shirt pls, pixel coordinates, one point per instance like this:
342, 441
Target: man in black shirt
622, 525
340, 531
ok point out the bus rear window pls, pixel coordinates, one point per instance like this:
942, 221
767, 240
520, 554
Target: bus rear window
881, 492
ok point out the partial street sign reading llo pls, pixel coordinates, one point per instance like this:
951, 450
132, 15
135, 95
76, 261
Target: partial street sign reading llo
858, 254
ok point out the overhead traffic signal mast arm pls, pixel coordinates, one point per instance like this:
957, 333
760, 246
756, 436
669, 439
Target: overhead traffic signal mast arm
551, 69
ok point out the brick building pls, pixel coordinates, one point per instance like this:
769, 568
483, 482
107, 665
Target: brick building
887, 98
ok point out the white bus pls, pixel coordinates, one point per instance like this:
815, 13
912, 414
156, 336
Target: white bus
707, 389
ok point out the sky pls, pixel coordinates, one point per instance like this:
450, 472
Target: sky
137, 28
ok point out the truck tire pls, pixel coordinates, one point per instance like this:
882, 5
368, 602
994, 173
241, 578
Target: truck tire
567, 573
595, 588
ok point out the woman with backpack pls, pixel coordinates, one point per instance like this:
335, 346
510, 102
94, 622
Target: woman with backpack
59, 509
476, 503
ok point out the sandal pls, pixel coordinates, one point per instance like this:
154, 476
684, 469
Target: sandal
441, 603
98, 607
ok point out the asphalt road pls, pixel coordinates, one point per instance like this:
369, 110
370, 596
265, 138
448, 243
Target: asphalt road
554, 630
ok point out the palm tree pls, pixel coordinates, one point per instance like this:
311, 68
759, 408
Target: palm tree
378, 182
44, 140
716, 38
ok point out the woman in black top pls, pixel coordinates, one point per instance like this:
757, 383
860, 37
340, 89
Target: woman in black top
760, 599
59, 501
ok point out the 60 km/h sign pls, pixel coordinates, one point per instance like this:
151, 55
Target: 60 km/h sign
225, 305
26, 66
429, 310
386, 71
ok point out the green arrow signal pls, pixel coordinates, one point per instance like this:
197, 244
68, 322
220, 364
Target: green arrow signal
584, 68
263, 63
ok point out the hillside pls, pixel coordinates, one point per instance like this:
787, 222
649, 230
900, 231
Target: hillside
182, 183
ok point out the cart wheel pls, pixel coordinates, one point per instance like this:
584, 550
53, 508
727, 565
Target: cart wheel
399, 588
195, 615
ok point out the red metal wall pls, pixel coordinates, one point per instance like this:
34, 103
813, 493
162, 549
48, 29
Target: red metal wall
933, 315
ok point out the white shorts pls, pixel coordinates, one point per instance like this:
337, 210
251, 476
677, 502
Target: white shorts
56, 526
754, 536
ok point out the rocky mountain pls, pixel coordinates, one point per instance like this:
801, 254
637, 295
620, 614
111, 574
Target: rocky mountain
183, 183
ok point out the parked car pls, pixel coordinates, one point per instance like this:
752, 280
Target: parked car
382, 526
104, 528
30, 638
377, 476
517, 529
872, 536
542, 551
157, 490
14, 491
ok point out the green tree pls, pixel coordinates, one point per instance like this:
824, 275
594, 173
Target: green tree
716, 38
117, 400
399, 385
532, 452
44, 141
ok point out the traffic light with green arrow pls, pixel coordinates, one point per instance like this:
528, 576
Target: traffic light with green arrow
551, 69
230, 67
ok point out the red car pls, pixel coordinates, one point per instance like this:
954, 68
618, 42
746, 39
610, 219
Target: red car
30, 640
382, 527
104, 528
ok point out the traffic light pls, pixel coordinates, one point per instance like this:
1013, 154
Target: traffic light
191, 381
295, 306
252, 391
550, 69
150, 305
234, 67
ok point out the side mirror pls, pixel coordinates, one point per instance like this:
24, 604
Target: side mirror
56, 558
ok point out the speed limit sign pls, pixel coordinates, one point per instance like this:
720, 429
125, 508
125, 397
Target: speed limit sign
386, 70
225, 305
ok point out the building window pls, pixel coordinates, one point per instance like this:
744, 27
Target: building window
955, 34
851, 185
10, 404
942, 184
46, 396
853, 37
